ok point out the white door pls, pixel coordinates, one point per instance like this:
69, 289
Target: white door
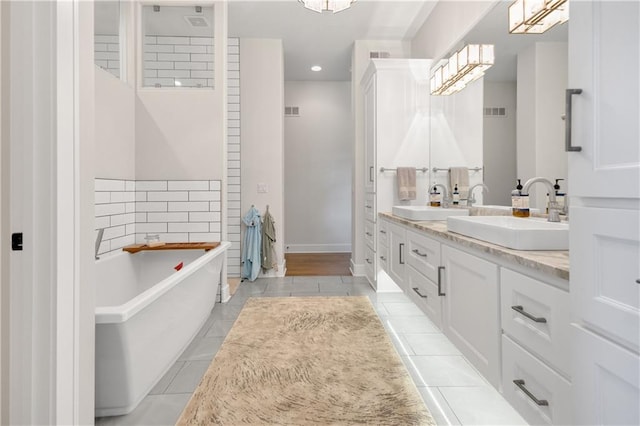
604, 41
471, 310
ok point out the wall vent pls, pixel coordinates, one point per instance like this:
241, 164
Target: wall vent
291, 111
380, 55
500, 112
197, 21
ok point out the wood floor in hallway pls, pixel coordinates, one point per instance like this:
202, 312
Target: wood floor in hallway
299, 264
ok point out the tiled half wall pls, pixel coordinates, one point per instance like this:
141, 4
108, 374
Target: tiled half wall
177, 210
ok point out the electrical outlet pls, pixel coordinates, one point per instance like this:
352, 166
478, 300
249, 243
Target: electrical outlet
263, 188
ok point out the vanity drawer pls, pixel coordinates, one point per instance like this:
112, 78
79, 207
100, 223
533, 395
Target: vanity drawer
370, 233
383, 230
536, 315
544, 386
383, 257
423, 253
370, 206
424, 294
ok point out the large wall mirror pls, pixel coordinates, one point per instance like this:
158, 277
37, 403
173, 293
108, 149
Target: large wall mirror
509, 124
107, 36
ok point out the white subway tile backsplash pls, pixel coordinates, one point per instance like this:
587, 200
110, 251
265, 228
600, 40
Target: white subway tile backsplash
102, 197
113, 232
193, 66
105, 246
172, 40
233, 204
233, 41
190, 49
141, 196
189, 206
215, 227
233, 49
168, 196
130, 228
201, 40
123, 197
103, 222
108, 56
188, 227
109, 185
123, 219
159, 82
174, 57
109, 209
180, 237
151, 185
168, 217
118, 243
151, 207
141, 217
188, 185
151, 227
201, 74
130, 207
204, 196
129, 185
214, 206
195, 237
99, 38
174, 73
204, 216
150, 40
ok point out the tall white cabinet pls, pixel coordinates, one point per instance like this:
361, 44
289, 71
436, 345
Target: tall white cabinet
604, 176
396, 134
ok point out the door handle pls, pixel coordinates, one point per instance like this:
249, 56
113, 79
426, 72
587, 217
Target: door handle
417, 290
519, 309
401, 254
567, 123
520, 383
440, 293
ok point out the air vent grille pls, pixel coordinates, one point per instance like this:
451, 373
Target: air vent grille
197, 21
379, 55
291, 111
499, 112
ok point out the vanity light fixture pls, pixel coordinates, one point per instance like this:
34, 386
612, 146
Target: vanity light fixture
537, 16
334, 6
463, 67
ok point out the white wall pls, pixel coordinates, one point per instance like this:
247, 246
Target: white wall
4, 216
542, 80
456, 133
318, 163
262, 129
115, 127
446, 26
359, 63
499, 143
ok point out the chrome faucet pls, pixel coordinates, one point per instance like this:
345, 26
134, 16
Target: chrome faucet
445, 194
470, 197
554, 207
99, 241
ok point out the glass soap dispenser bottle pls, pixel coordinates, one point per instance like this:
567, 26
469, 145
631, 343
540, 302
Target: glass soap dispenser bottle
434, 197
456, 195
519, 202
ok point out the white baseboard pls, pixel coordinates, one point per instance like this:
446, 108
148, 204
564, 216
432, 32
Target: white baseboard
357, 270
318, 248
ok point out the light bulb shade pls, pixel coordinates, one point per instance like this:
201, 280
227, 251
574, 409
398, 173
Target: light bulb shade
536, 16
334, 6
463, 67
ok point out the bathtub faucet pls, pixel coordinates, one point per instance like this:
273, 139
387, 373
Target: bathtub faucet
99, 241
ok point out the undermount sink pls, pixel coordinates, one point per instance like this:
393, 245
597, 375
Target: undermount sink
427, 212
503, 208
513, 232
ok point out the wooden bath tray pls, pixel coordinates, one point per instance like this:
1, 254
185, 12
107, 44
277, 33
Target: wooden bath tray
135, 248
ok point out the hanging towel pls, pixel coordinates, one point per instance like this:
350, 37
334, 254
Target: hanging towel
459, 176
268, 242
251, 247
406, 183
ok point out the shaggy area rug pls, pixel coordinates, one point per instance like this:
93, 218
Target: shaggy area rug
299, 361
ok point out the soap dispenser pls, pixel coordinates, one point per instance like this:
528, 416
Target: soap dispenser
519, 202
456, 195
434, 197
559, 195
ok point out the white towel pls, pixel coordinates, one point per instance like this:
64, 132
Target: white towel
459, 176
406, 183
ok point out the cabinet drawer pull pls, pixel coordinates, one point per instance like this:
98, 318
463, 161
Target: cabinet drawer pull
368, 261
638, 281
521, 311
401, 254
417, 290
383, 258
440, 293
382, 231
368, 206
567, 124
520, 383
370, 173
416, 251
368, 234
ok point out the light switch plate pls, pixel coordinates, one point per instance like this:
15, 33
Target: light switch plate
263, 188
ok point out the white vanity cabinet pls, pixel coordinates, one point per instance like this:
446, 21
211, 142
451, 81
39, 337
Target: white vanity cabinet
604, 41
397, 253
471, 311
396, 109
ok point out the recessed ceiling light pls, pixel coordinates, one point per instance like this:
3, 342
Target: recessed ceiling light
316, 68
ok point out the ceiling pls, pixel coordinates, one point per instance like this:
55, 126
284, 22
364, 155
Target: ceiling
326, 39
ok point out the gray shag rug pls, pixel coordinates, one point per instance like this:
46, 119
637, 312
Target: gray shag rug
300, 361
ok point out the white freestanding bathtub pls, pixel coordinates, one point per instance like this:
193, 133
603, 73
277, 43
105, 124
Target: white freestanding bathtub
146, 315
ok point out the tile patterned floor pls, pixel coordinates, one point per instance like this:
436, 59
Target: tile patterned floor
454, 392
